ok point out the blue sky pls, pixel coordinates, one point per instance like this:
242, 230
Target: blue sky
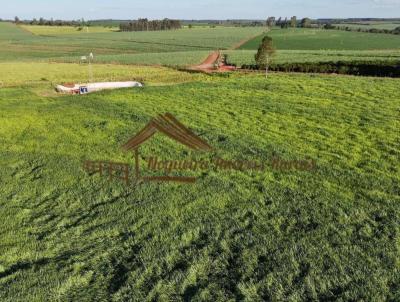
199, 9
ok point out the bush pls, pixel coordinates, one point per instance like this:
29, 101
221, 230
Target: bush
363, 68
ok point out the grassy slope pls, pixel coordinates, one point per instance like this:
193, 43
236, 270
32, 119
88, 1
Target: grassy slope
245, 236
317, 39
177, 59
44, 75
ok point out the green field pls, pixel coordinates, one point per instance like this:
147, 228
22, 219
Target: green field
319, 39
247, 236
330, 234
66, 30
175, 59
191, 46
45, 76
241, 57
21, 45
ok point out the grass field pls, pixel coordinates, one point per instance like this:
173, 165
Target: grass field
44, 76
65, 30
191, 46
177, 59
21, 45
331, 234
240, 57
328, 234
319, 39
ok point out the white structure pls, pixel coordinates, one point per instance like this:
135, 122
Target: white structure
92, 87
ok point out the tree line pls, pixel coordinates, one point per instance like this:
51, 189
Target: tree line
387, 68
146, 25
286, 23
51, 22
395, 31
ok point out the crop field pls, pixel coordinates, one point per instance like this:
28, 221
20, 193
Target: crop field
318, 39
177, 59
241, 57
191, 46
65, 30
332, 232
328, 234
48, 74
22, 45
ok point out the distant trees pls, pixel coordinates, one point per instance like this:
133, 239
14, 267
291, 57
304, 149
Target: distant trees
306, 23
285, 24
238, 23
270, 21
146, 25
265, 52
395, 31
52, 22
387, 68
329, 26
293, 21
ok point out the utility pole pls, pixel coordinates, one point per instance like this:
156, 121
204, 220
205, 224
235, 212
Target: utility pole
90, 67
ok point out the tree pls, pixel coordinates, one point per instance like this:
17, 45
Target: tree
306, 22
285, 24
293, 21
329, 26
16, 20
270, 21
146, 25
265, 52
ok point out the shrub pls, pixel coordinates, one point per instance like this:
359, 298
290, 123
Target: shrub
363, 68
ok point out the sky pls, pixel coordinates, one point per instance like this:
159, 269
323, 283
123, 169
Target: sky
199, 9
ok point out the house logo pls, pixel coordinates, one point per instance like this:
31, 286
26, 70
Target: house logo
168, 125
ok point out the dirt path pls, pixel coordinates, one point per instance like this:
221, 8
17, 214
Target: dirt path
209, 64
244, 41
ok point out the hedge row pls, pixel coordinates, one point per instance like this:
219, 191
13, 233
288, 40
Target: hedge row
361, 68
395, 31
